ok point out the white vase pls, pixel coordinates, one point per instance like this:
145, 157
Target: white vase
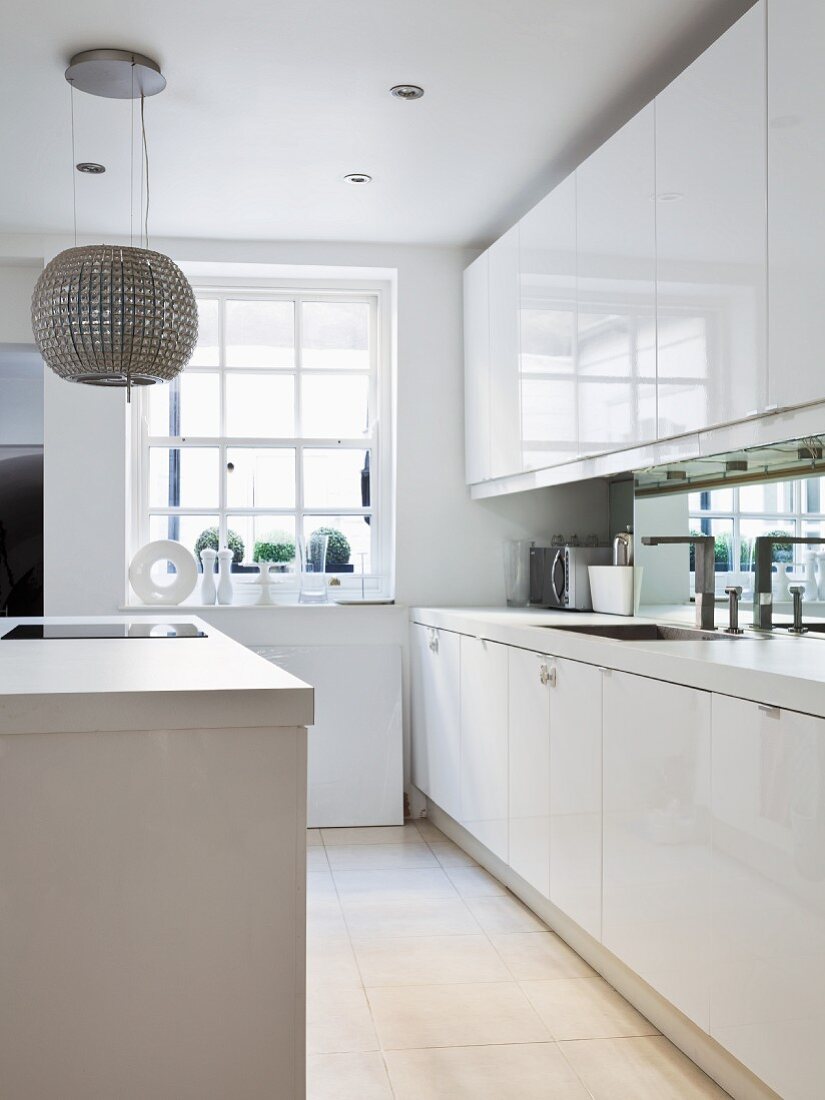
208, 590
265, 581
224, 577
811, 591
782, 578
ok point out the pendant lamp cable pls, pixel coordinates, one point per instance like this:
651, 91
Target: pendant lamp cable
132, 160
146, 170
74, 181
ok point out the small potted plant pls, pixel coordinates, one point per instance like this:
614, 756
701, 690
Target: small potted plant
338, 549
209, 540
277, 547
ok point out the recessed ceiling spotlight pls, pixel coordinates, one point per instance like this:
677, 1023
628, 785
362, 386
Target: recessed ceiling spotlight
91, 168
358, 177
407, 91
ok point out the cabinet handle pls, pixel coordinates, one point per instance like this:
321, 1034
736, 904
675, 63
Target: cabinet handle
547, 675
433, 641
768, 711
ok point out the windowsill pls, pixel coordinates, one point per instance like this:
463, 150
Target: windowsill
197, 608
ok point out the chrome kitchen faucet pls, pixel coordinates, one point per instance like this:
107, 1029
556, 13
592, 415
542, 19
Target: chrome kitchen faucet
705, 572
763, 581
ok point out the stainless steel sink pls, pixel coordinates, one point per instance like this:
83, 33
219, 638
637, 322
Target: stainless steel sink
651, 632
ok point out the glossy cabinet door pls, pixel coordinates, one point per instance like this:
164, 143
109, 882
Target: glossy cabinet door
477, 370
484, 756
436, 715
796, 168
576, 793
530, 676
768, 990
711, 231
503, 258
616, 244
657, 855
547, 308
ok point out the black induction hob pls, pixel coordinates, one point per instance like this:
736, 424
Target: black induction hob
102, 630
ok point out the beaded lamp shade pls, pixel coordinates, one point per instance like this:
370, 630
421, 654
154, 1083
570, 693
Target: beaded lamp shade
114, 316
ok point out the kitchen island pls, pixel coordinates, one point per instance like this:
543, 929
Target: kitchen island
152, 868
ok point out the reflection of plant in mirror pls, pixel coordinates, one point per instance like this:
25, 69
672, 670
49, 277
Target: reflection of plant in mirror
338, 547
782, 551
276, 546
209, 540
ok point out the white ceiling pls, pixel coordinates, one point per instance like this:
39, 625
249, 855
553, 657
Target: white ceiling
269, 104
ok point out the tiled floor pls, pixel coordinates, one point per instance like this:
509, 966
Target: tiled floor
427, 979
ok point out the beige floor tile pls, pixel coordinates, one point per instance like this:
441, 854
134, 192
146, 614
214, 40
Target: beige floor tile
331, 962
325, 918
454, 1015
429, 831
430, 960
377, 834
347, 1077
505, 914
314, 838
475, 882
585, 1008
317, 858
320, 888
338, 1021
379, 857
647, 1068
450, 855
526, 1071
535, 956
413, 882
370, 919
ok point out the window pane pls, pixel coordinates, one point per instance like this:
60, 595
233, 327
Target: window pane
751, 528
260, 477
260, 334
260, 405
357, 534
813, 499
335, 407
774, 496
183, 529
335, 334
271, 538
189, 406
207, 352
184, 477
333, 478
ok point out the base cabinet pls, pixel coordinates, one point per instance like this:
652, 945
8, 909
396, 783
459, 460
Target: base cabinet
657, 856
484, 788
436, 715
767, 1003
530, 679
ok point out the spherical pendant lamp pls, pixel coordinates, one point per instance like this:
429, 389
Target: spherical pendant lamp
114, 316
111, 315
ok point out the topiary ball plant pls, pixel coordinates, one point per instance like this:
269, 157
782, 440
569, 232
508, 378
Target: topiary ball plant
209, 540
276, 546
338, 547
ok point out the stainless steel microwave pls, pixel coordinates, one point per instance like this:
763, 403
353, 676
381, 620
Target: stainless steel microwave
559, 577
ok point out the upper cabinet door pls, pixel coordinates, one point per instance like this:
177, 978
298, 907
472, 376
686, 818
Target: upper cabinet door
711, 226
616, 220
796, 166
477, 370
505, 456
547, 364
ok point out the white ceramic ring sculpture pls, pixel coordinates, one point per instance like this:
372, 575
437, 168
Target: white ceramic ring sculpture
183, 580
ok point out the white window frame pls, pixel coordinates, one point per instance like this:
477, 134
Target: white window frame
379, 583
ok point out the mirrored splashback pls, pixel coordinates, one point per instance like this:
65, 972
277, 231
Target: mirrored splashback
736, 497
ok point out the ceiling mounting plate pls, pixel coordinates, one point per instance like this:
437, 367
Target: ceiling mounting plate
115, 74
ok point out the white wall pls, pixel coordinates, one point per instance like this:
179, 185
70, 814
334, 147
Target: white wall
17, 279
448, 548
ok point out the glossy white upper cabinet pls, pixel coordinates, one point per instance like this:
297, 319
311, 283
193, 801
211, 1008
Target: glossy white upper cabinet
484, 754
796, 169
657, 854
477, 370
576, 793
530, 676
505, 450
436, 715
547, 308
616, 244
768, 990
711, 233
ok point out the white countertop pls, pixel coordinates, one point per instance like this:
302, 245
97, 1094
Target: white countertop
57, 685
776, 669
